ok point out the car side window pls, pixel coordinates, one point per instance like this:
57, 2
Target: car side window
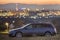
29, 27
38, 25
33, 26
43, 25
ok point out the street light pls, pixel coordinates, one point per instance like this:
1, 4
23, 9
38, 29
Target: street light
7, 25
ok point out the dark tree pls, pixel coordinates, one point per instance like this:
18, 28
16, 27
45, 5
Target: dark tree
3, 27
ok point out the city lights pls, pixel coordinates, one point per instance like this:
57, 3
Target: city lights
25, 12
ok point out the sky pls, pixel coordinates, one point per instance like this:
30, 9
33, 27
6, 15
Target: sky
31, 1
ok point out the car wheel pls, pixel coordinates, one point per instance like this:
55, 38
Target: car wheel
47, 34
19, 35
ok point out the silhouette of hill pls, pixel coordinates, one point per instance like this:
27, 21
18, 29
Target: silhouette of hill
32, 6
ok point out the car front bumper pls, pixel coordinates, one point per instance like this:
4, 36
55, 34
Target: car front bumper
11, 35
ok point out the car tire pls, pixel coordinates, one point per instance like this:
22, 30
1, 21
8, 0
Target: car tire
18, 35
47, 34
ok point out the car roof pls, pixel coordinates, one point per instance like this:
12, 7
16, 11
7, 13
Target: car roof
42, 23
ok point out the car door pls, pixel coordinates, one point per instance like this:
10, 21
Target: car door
35, 29
42, 28
28, 30
38, 29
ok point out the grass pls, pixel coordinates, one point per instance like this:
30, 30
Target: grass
4, 32
5, 37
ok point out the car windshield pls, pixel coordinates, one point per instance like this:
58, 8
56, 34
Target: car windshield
20, 27
25, 25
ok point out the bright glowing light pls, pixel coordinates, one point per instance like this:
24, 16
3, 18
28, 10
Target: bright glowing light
6, 24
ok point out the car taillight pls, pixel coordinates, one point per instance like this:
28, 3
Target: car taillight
55, 30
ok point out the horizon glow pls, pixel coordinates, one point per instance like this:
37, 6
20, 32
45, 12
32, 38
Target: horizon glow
38, 2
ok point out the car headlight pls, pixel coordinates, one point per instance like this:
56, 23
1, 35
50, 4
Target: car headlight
11, 31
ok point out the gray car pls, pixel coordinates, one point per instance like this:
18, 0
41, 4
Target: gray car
34, 29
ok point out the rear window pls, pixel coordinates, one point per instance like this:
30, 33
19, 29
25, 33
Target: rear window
41, 25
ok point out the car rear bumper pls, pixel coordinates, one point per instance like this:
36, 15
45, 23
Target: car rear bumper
53, 33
